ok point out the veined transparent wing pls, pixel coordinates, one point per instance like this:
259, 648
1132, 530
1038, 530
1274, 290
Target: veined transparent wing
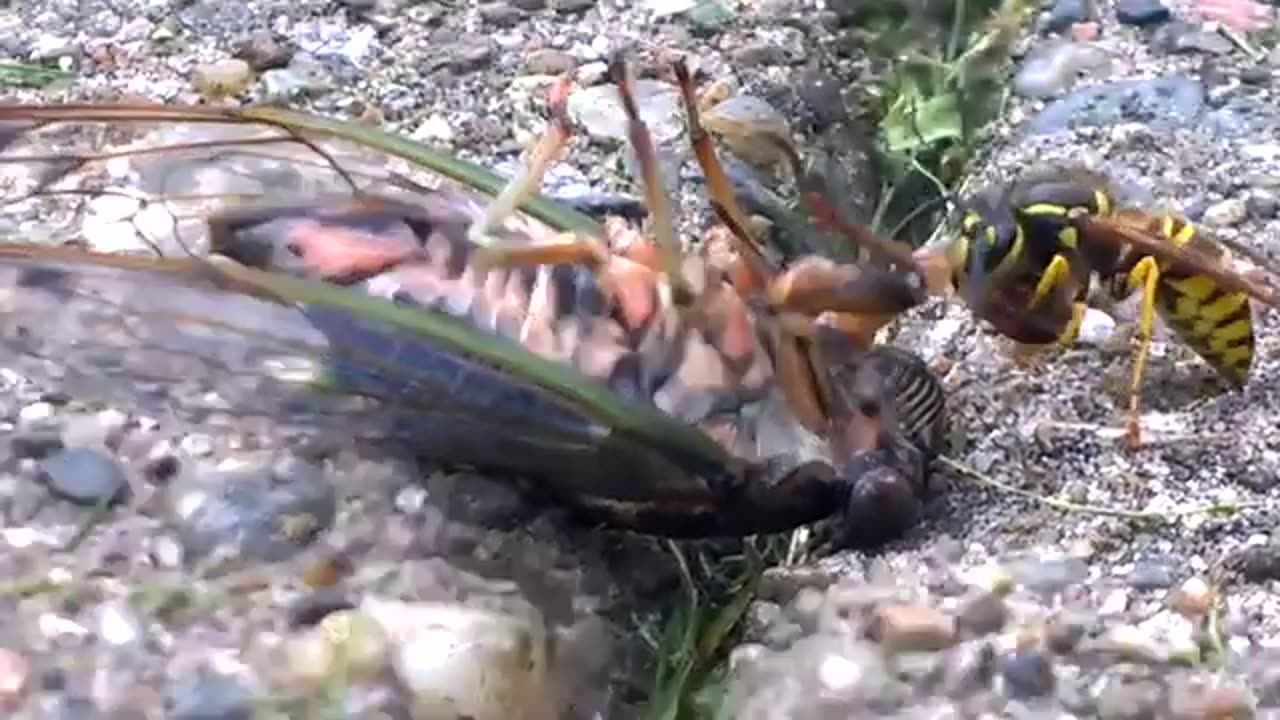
155, 324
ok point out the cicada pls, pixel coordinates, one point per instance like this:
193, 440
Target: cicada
1029, 252
305, 269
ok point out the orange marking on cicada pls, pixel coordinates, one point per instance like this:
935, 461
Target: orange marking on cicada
721, 249
733, 332
793, 370
631, 244
341, 254
632, 288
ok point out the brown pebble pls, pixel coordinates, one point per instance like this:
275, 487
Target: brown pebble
263, 52
982, 614
1192, 599
912, 628
328, 570
222, 79
550, 61
1084, 32
1227, 701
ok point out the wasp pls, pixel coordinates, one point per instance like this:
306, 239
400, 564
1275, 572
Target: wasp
1029, 253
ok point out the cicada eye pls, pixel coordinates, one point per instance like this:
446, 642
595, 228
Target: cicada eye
881, 504
869, 406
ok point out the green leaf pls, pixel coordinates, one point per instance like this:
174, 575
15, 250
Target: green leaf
929, 122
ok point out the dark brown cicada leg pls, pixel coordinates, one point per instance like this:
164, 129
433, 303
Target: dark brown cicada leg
853, 301
857, 301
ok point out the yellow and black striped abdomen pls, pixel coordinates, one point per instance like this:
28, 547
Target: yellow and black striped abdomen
1216, 323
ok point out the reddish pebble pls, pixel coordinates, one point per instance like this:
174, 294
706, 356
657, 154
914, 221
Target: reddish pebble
14, 671
1084, 32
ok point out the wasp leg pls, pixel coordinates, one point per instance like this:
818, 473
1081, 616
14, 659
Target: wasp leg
1030, 356
1144, 275
1055, 274
718, 187
526, 182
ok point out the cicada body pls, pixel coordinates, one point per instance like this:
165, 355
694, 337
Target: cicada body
637, 385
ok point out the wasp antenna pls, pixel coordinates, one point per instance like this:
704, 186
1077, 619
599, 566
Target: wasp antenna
669, 250
540, 158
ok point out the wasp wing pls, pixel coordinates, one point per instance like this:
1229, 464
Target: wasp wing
1142, 233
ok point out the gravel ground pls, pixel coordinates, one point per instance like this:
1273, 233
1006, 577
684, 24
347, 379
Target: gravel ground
996, 605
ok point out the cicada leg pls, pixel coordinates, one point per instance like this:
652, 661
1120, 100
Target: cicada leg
593, 252
526, 182
668, 244
718, 187
859, 300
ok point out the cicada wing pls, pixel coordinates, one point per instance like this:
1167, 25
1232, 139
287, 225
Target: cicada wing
136, 180
177, 343
160, 342
146, 181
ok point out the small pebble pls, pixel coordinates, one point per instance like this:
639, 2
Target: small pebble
1262, 205
86, 476
204, 694
1150, 576
983, 614
15, 671
1028, 674
1193, 598
1226, 213
1065, 13
222, 79
913, 628
1142, 12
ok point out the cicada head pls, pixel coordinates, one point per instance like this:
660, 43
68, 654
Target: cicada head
891, 410
881, 502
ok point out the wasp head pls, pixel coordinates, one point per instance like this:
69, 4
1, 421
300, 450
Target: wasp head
989, 232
